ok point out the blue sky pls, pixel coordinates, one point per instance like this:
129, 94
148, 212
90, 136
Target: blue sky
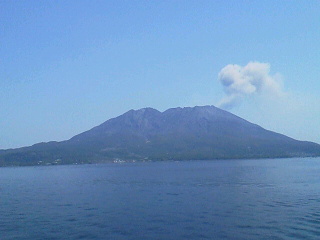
67, 66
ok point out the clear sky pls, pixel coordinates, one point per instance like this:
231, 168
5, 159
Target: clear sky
67, 66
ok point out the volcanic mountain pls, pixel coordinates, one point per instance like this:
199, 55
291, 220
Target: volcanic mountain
195, 133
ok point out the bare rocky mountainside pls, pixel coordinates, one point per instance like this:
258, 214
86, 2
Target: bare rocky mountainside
176, 134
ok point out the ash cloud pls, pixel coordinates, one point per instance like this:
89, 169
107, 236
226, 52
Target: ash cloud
241, 82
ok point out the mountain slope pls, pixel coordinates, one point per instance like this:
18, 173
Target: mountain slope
176, 134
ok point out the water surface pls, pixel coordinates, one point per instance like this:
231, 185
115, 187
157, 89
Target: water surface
229, 199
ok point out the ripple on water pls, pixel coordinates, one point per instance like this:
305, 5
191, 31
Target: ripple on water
190, 200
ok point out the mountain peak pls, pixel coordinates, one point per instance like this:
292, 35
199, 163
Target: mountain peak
200, 132
142, 111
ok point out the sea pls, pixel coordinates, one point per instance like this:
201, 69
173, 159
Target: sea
217, 199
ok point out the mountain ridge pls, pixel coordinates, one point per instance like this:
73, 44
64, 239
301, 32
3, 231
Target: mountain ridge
201, 132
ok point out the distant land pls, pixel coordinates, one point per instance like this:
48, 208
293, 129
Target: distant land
190, 133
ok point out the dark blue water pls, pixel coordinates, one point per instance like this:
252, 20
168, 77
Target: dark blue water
232, 199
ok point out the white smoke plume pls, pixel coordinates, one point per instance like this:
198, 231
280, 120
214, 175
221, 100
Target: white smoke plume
239, 82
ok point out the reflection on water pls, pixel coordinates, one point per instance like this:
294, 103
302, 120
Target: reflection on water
230, 199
